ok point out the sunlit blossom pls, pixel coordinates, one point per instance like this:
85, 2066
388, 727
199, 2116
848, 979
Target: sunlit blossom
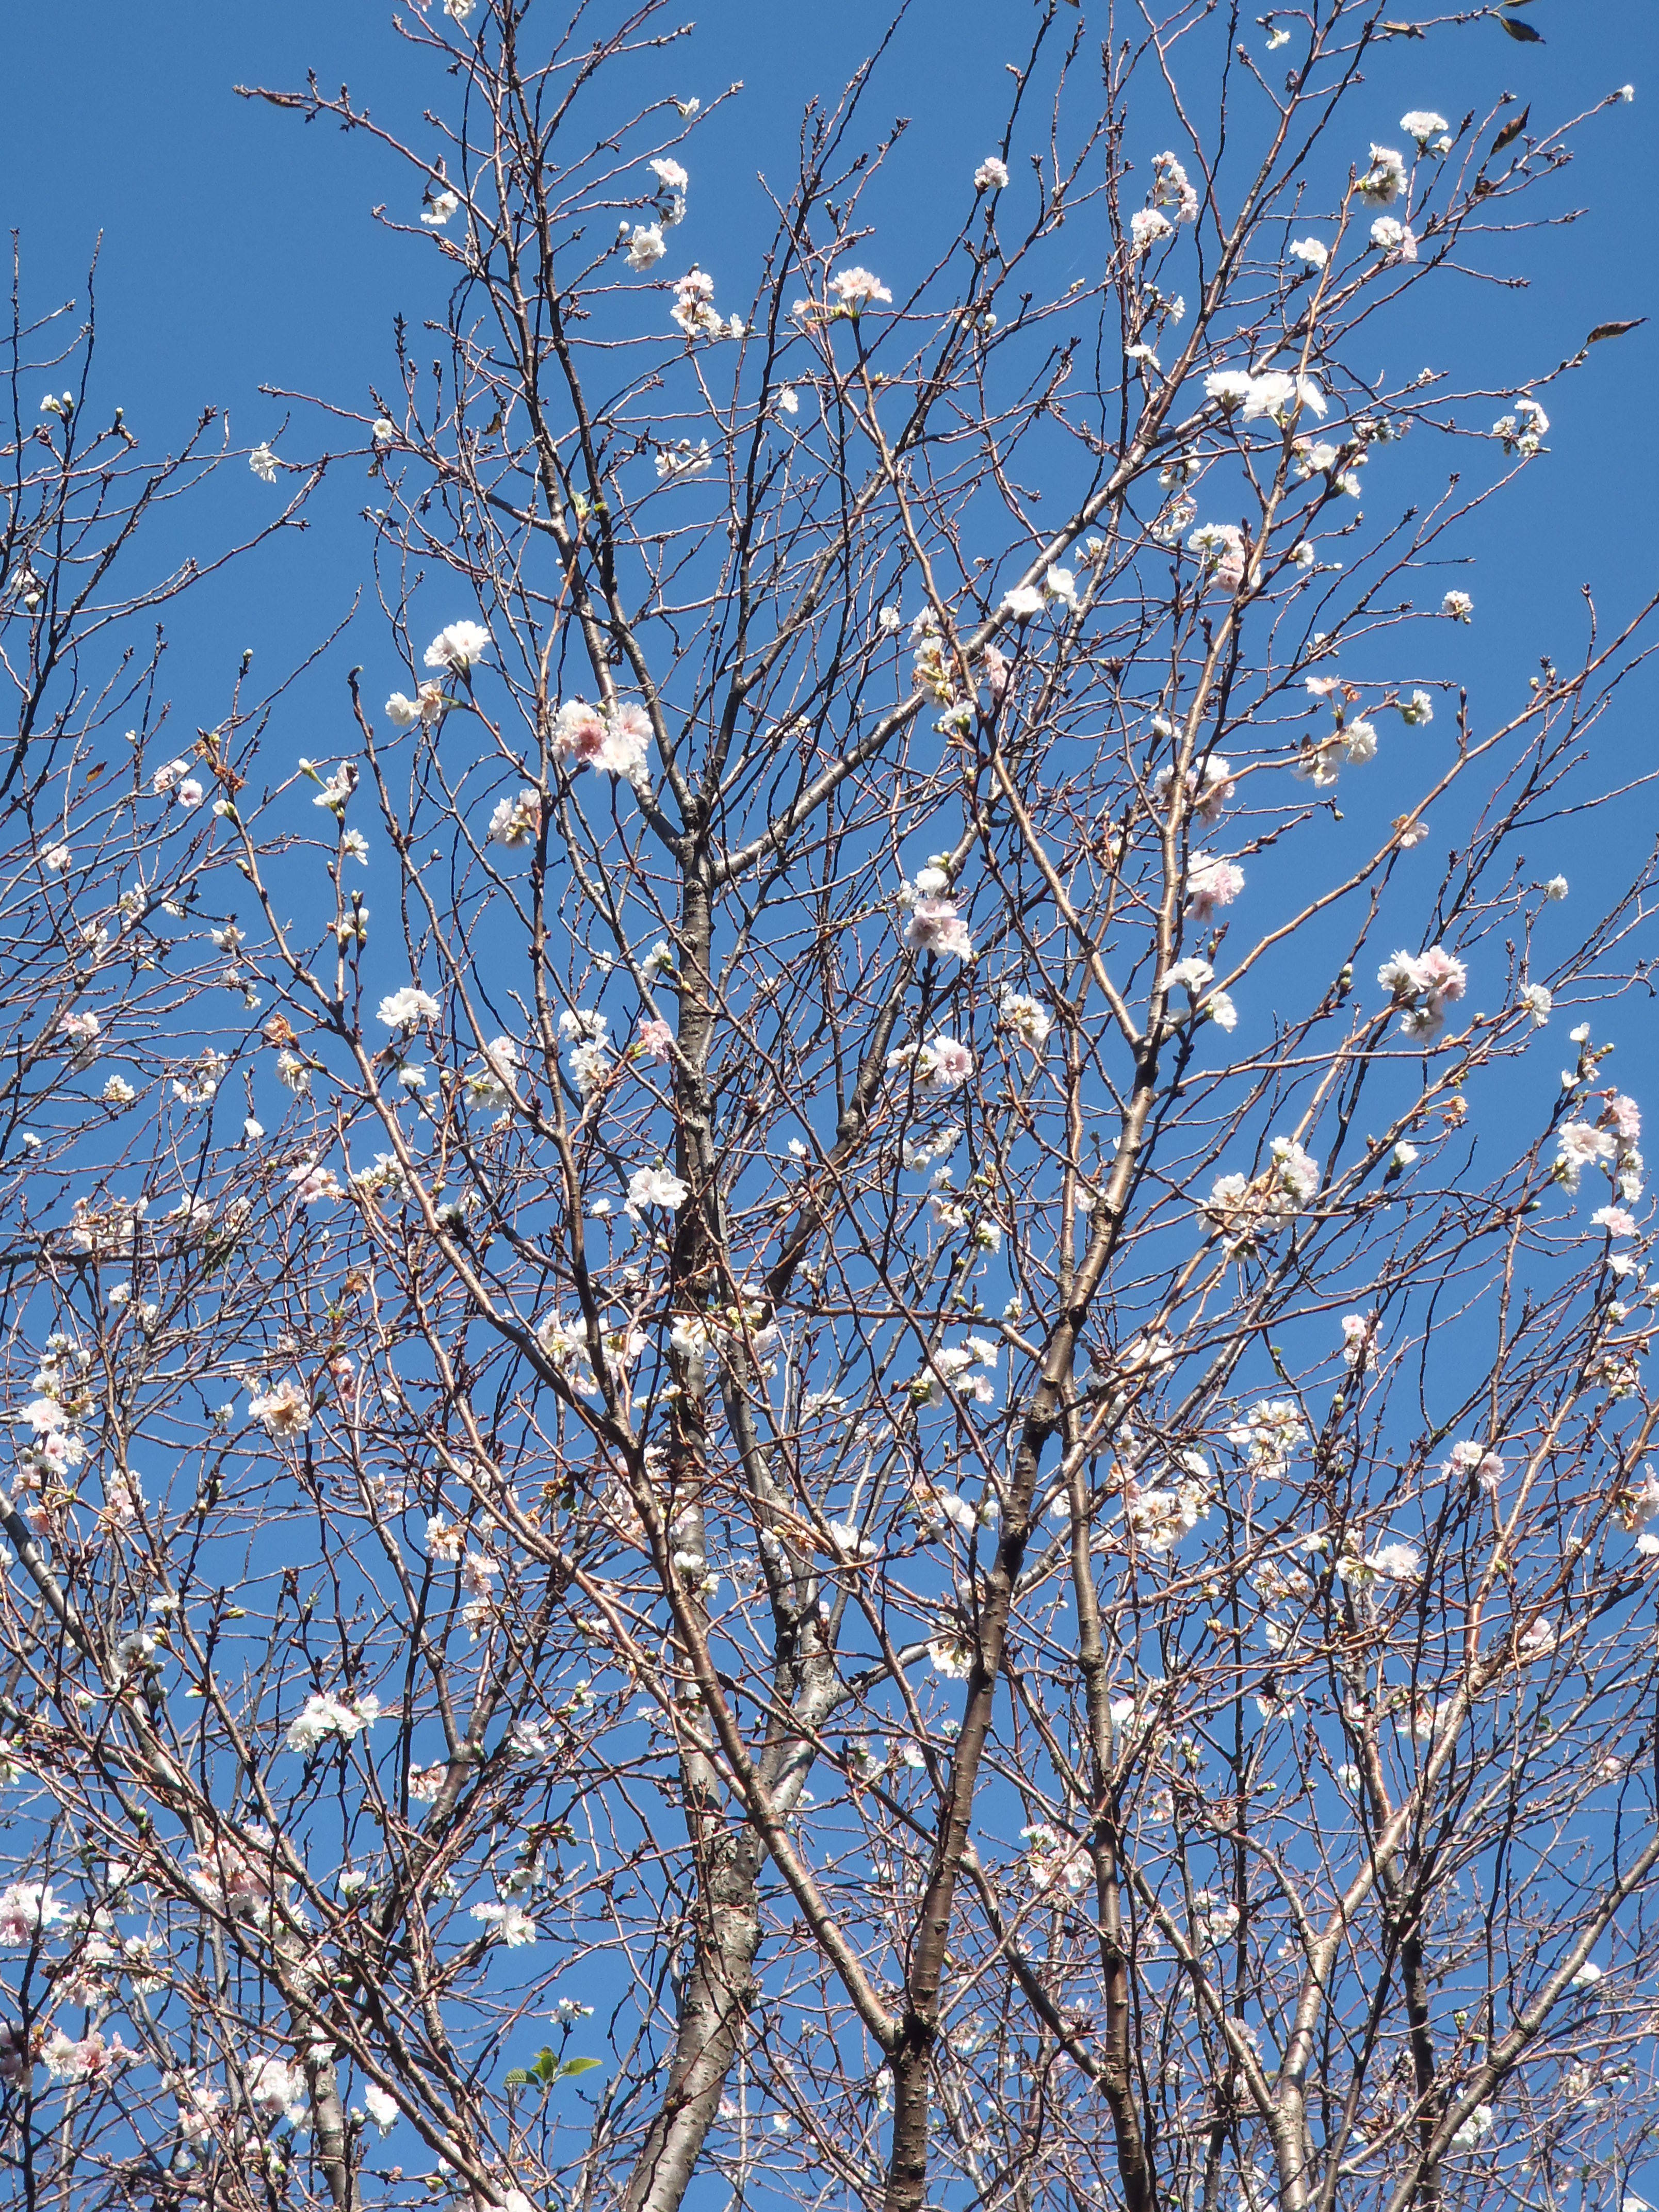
1171, 188
1270, 1436
1615, 1220
517, 822
1279, 395
514, 1926
27, 1909
944, 1063
1394, 240
427, 705
694, 312
1148, 227
1228, 387
408, 1009
460, 646
87, 2059
611, 739
1385, 179
646, 245
1523, 430
284, 1412
656, 1187
1028, 1020
313, 1185
1472, 2131
1220, 547
1423, 985
380, 2106
856, 290
1212, 883
683, 458
933, 925
322, 1716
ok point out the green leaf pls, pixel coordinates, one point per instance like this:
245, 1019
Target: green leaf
578, 2066
515, 2078
1613, 329
546, 2067
1523, 32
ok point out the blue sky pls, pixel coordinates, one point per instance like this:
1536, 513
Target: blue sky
239, 248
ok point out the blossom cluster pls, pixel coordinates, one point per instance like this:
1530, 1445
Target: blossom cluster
27, 1910
1607, 1142
1244, 1207
322, 1716
855, 289
517, 822
693, 311
1270, 1434
1194, 976
1157, 1517
1053, 1858
1352, 740
613, 739
1273, 395
459, 648
1150, 226
932, 923
588, 1061
285, 1411
1211, 882
1208, 789
954, 1363
426, 706
1422, 985
1025, 602
944, 1063
644, 242
1220, 549
1028, 1020
935, 665
1523, 430
56, 1445
175, 782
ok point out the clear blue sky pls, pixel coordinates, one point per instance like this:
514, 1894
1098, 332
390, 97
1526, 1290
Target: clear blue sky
238, 249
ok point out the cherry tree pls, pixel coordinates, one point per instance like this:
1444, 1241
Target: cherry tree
824, 1388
